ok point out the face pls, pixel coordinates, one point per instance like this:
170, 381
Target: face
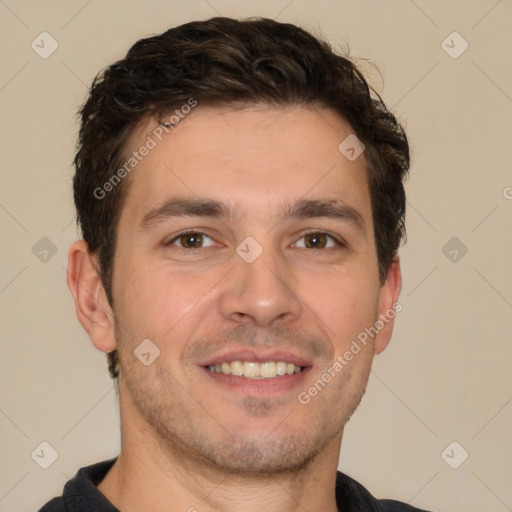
246, 254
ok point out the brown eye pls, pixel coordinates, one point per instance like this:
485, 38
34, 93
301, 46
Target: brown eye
192, 240
315, 240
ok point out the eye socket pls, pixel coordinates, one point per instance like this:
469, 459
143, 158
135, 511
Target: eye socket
317, 240
198, 240
191, 240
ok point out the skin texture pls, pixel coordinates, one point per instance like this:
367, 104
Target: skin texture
188, 438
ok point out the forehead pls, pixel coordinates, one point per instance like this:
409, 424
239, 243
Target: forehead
254, 158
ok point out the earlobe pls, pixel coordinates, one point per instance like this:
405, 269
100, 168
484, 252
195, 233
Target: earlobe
91, 304
388, 300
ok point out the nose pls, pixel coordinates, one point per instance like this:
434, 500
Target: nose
260, 292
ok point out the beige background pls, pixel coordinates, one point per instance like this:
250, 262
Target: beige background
446, 375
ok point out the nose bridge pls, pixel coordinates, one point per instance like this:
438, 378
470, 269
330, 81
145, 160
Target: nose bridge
259, 288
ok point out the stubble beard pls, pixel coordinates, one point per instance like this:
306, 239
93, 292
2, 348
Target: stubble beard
192, 438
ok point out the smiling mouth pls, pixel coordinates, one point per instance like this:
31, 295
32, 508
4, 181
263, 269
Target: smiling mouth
255, 370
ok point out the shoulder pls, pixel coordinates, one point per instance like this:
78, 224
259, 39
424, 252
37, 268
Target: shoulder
81, 492
54, 505
353, 497
398, 506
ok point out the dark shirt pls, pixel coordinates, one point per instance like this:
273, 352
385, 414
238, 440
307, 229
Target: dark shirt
81, 495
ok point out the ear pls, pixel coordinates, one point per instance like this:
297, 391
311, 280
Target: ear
91, 304
388, 305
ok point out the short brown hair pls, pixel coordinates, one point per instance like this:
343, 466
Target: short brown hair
219, 62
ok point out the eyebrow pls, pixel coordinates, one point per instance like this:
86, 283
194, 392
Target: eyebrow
183, 207
329, 208
301, 209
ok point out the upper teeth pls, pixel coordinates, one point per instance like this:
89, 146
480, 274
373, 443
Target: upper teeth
255, 370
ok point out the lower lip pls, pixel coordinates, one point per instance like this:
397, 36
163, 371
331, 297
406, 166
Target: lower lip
258, 387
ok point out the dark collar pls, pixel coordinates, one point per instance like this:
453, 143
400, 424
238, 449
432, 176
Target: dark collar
81, 493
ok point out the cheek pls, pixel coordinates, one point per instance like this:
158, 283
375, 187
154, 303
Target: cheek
159, 299
346, 305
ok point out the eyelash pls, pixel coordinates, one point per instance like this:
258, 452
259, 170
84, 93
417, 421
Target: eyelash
185, 233
339, 242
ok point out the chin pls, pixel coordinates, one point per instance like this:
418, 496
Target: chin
263, 457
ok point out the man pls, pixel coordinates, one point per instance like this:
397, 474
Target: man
240, 195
